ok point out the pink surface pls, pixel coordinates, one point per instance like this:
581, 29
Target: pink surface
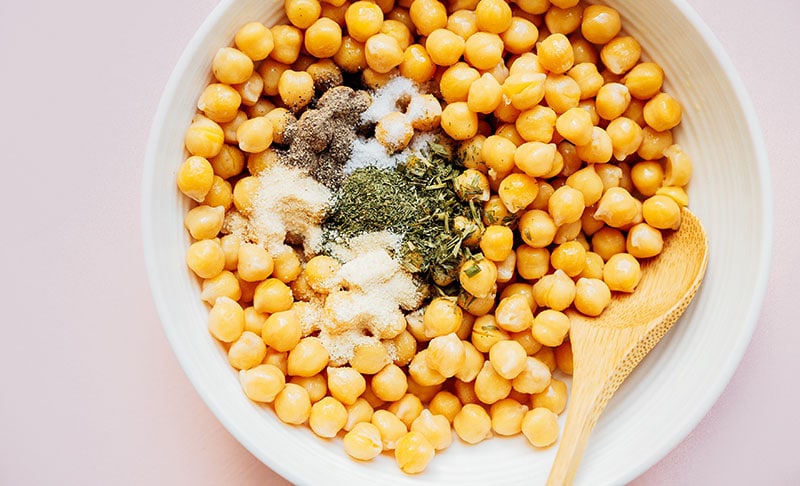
91, 392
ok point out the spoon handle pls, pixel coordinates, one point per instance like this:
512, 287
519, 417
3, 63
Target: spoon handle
605, 360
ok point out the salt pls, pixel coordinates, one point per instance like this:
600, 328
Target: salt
389, 98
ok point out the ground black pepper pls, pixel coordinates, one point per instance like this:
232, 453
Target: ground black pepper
321, 140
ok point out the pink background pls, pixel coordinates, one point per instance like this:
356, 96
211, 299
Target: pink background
90, 392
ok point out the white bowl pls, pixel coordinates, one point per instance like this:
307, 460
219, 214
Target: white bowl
663, 399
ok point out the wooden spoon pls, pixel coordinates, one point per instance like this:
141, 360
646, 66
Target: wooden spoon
607, 348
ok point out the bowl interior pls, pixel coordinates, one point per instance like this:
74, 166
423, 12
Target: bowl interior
662, 400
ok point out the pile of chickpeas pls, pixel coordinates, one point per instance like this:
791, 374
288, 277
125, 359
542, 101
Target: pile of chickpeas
558, 120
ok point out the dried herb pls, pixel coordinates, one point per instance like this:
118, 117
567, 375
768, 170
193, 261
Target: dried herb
416, 200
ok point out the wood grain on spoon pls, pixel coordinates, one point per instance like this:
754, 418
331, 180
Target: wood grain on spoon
607, 348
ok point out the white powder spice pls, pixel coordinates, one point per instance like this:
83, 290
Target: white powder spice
289, 205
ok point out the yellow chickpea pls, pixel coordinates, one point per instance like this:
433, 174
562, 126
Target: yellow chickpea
473, 360
282, 330
592, 296
647, 176
435, 428
566, 205
537, 124
195, 177
413, 452
644, 241
428, 15
445, 47
323, 38
534, 378
483, 50
599, 150
472, 423
608, 241
521, 35
296, 89
359, 412
678, 167
554, 397
445, 403
363, 441
575, 125
662, 212
612, 100
288, 41
456, 80
225, 284
507, 416
363, 19
588, 78
485, 94
654, 143
524, 89
540, 427
537, 228
255, 135
350, 56
493, 16
390, 383
485, 332
308, 358
569, 257
369, 357
517, 191
497, 242
535, 158
600, 24
383, 53
556, 54
345, 384
555, 291
645, 80
458, 121
626, 136
219, 102
491, 386
407, 408
231, 66
205, 258
622, 272
561, 92
441, 317
662, 112
262, 383
272, 296
293, 404
620, 54
255, 40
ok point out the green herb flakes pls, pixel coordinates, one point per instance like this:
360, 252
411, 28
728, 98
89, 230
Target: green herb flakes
417, 201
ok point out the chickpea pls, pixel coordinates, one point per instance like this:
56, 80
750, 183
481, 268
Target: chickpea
622, 272
521, 35
540, 426
458, 121
445, 47
472, 423
478, 277
662, 212
620, 54
555, 291
556, 54
485, 94
537, 228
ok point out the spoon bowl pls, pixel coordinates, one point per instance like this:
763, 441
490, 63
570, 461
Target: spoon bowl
607, 348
